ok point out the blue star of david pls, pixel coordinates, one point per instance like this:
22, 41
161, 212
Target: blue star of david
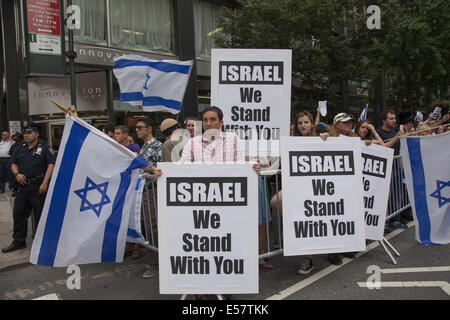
437, 194
89, 186
147, 75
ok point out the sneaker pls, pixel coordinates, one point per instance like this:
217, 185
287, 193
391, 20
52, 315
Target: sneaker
150, 272
335, 259
306, 267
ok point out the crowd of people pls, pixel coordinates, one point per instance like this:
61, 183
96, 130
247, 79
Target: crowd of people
26, 162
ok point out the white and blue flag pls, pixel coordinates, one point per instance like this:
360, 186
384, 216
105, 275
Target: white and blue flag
86, 212
156, 85
363, 115
134, 233
427, 177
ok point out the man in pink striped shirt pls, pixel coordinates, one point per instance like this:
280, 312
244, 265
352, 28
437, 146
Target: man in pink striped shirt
214, 145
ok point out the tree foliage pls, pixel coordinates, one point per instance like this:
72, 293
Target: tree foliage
331, 44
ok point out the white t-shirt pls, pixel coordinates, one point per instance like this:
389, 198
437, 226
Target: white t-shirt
4, 148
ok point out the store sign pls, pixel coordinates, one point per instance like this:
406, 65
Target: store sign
91, 93
14, 127
105, 56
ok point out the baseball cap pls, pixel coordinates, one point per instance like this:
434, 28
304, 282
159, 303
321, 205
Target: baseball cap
342, 117
32, 126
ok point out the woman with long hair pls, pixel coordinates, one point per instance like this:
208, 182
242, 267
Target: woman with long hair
304, 124
366, 131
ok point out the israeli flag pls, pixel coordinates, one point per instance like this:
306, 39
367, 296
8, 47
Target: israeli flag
156, 85
86, 211
363, 115
134, 233
427, 176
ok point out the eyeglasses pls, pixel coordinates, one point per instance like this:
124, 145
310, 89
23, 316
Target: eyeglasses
140, 127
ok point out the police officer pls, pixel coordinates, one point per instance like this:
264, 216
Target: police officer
32, 165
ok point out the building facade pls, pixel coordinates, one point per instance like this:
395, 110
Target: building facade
157, 29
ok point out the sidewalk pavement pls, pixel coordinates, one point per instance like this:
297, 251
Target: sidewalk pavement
18, 257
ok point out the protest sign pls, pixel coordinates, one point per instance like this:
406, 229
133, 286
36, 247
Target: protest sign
376, 172
323, 108
322, 195
253, 89
207, 228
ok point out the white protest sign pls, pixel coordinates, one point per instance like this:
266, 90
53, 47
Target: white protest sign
323, 108
208, 228
377, 170
253, 89
322, 195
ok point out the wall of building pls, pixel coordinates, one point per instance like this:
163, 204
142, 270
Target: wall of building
157, 29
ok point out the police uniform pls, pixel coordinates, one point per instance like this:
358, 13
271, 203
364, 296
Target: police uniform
33, 164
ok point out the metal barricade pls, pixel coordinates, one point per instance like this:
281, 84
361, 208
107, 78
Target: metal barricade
149, 214
398, 195
273, 225
398, 202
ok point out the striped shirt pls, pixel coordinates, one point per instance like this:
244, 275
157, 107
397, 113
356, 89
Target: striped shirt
225, 148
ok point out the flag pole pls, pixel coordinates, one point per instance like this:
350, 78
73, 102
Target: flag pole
414, 132
70, 110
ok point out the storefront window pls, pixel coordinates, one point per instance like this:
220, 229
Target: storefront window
142, 25
93, 22
206, 16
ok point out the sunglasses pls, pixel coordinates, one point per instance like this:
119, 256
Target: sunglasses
140, 127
